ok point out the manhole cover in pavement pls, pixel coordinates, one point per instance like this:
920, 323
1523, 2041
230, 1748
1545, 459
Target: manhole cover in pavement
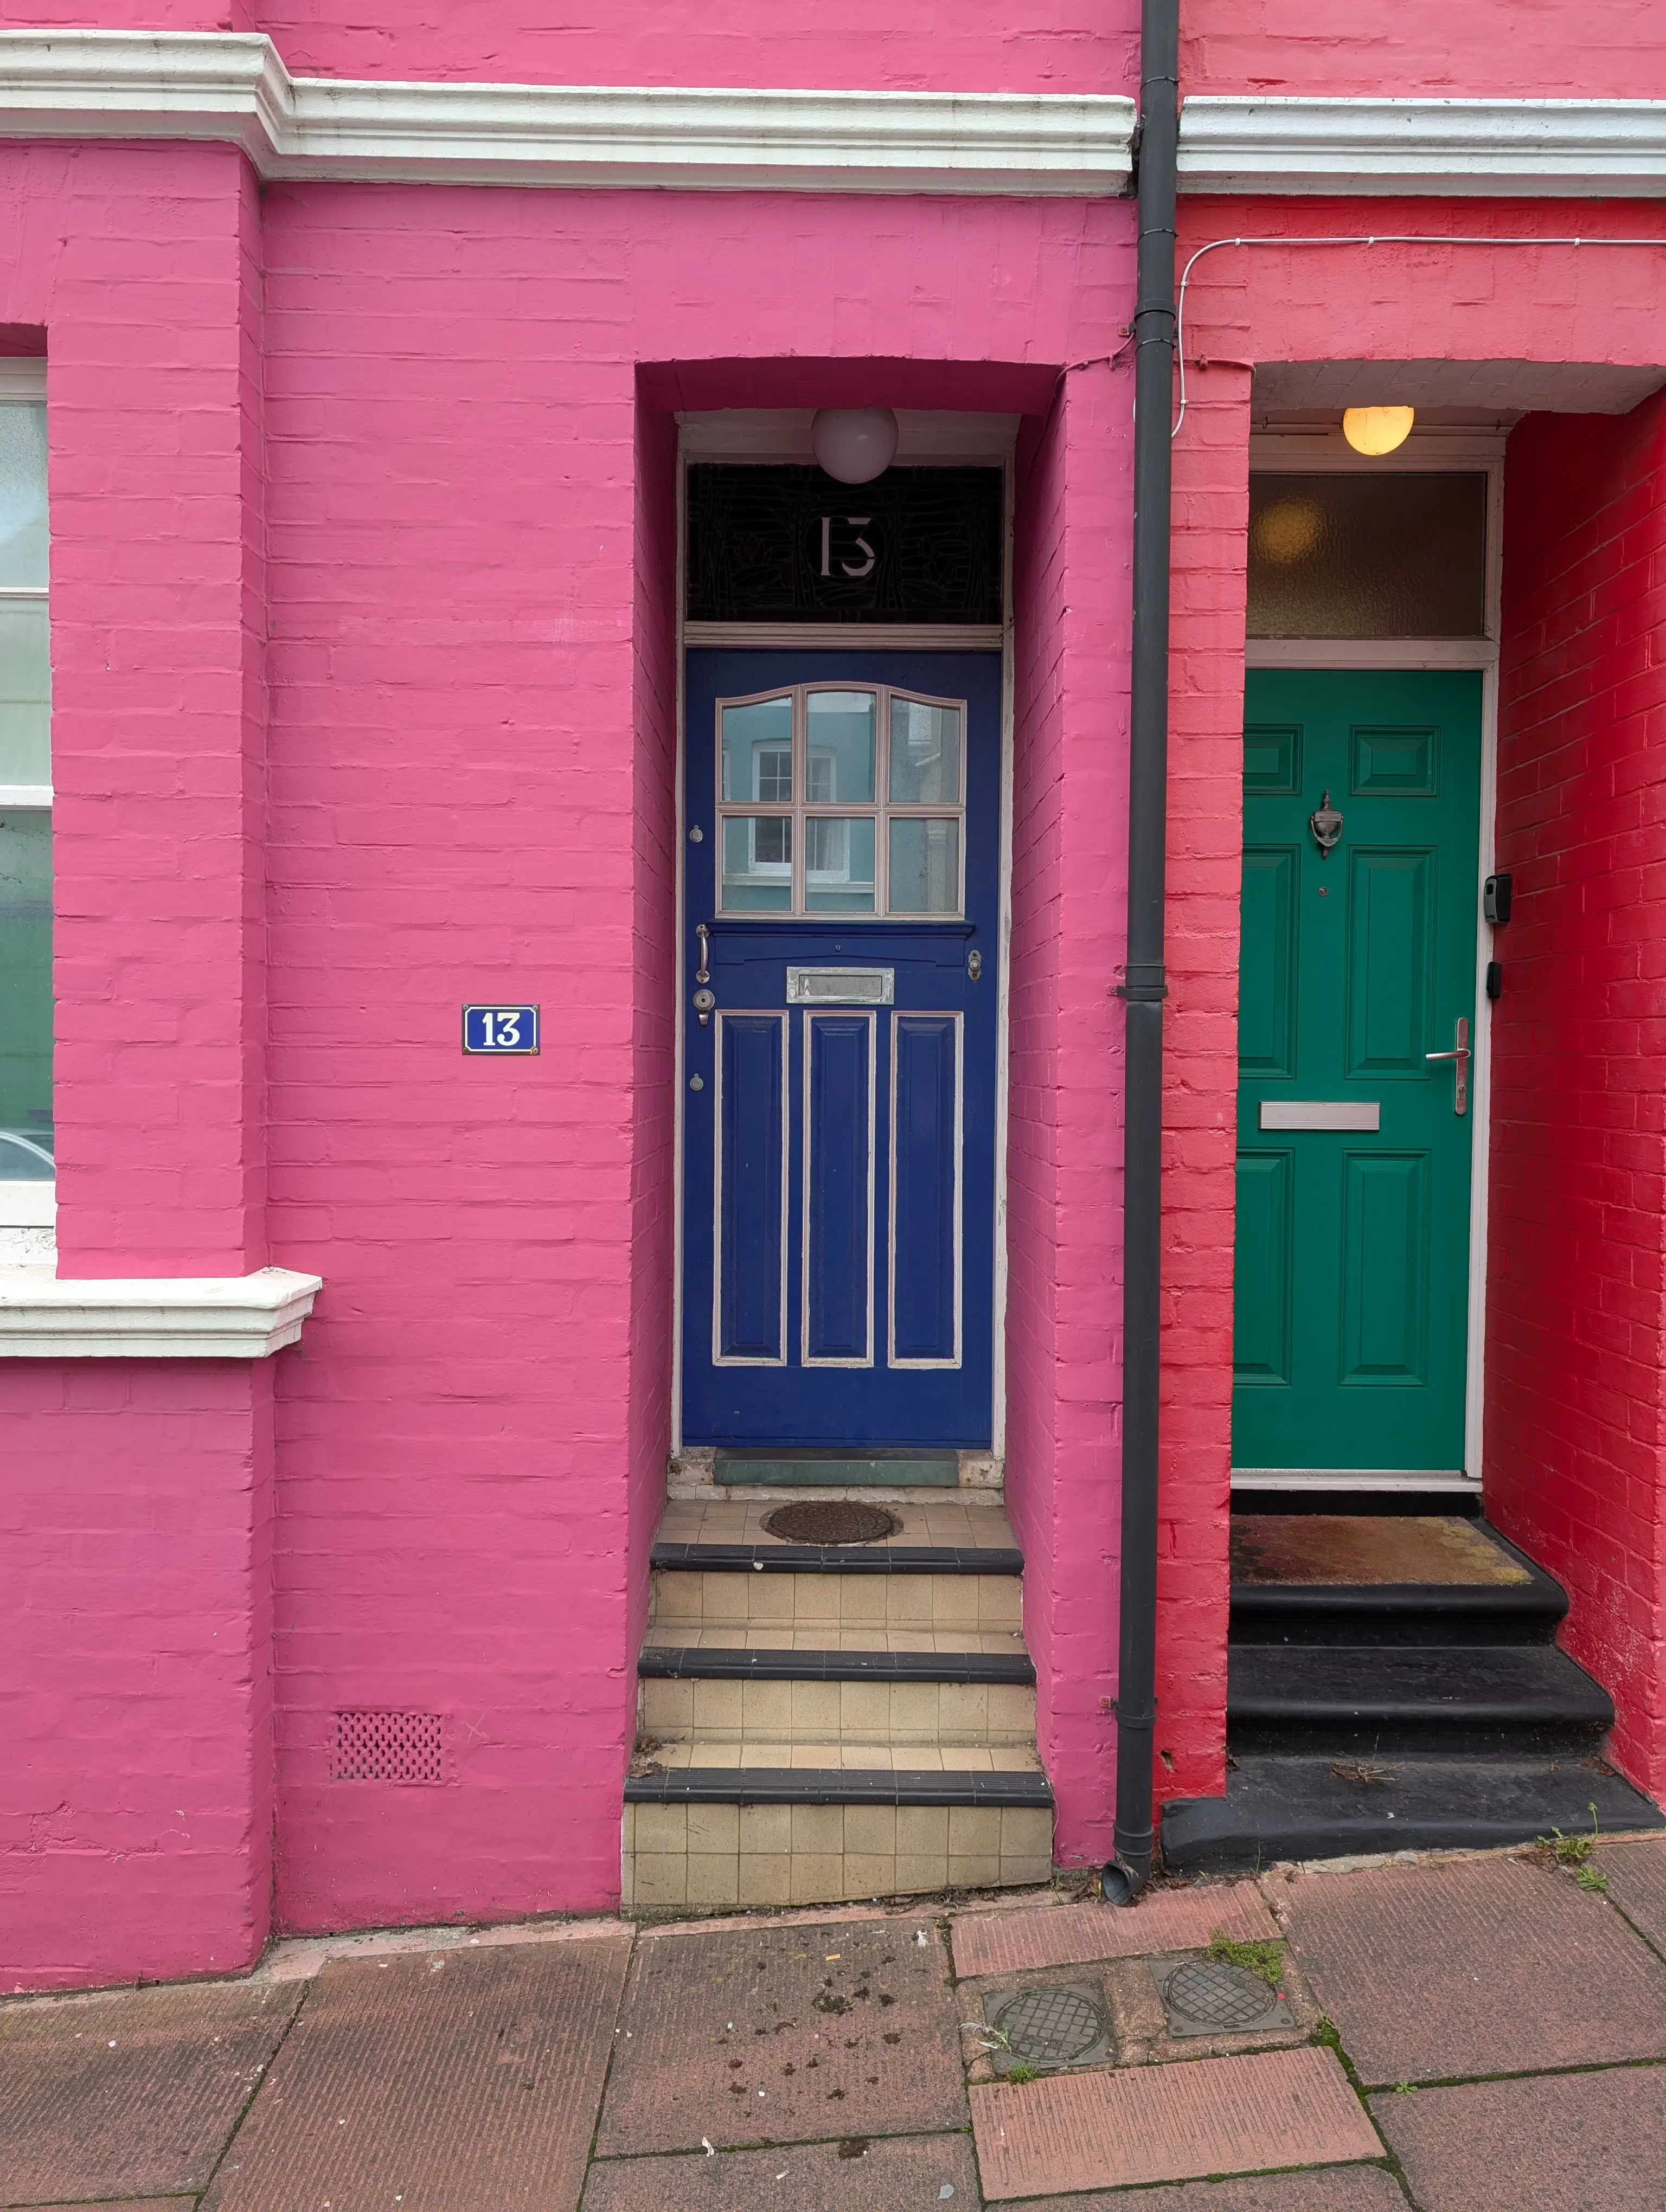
1206, 1997
1055, 2026
830, 1521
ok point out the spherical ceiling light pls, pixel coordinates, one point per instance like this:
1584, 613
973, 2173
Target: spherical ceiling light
854, 444
1377, 429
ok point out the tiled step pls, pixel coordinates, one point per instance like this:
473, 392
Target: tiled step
858, 1707
834, 1722
818, 1600
1284, 1807
1338, 1698
1507, 1599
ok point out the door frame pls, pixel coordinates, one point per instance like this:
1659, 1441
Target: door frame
1440, 449
944, 439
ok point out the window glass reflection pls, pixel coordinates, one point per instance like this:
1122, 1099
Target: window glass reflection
758, 750
839, 767
758, 864
838, 864
924, 754
925, 867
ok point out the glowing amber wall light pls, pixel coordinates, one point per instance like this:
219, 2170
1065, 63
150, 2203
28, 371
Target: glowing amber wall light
1377, 429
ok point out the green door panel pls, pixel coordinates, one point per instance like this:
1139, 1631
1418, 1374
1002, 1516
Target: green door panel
1352, 1269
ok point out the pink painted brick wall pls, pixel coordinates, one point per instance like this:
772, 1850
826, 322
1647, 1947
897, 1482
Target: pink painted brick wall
143, 263
1036, 45
1497, 49
136, 1785
1069, 916
1575, 1432
468, 459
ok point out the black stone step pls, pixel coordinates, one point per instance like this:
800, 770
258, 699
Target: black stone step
1364, 1699
839, 1559
1398, 1612
706, 1664
836, 1786
1278, 1807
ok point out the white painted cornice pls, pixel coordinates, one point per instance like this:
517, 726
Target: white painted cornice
234, 89
1537, 149
173, 1318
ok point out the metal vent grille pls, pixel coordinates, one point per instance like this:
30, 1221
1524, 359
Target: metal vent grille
375, 1746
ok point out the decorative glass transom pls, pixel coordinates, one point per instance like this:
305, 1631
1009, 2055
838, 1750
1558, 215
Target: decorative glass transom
840, 800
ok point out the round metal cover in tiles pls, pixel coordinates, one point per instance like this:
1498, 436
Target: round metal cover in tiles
1050, 2027
830, 1521
1213, 1996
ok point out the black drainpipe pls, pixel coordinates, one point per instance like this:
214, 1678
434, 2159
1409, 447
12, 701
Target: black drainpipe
1144, 987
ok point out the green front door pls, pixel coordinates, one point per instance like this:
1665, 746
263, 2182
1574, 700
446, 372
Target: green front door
1353, 1164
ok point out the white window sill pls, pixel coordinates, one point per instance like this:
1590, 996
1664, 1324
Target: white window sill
27, 1204
171, 1317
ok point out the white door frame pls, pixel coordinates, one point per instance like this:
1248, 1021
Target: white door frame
941, 439
1426, 452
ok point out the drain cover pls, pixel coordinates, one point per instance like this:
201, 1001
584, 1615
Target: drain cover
1206, 1996
1053, 2025
830, 1521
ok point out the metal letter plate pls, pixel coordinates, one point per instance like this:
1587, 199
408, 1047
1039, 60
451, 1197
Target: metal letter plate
842, 986
1320, 1114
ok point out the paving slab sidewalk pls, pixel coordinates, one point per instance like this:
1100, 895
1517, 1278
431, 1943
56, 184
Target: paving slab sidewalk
820, 2063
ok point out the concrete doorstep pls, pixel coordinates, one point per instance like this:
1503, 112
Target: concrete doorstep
1481, 2034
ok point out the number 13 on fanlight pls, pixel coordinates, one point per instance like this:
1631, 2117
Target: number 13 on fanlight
500, 1029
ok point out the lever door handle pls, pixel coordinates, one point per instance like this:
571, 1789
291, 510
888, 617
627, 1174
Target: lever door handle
1460, 1057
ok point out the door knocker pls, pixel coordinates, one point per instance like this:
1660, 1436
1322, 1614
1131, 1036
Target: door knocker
1326, 824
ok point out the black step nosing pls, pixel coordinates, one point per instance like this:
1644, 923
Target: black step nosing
1472, 1712
1538, 1601
839, 1559
802, 1785
684, 1663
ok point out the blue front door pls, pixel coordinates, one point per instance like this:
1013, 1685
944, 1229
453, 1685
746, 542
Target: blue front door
842, 863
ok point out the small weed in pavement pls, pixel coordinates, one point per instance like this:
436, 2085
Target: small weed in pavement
1572, 1851
1593, 1878
1022, 2072
1265, 1959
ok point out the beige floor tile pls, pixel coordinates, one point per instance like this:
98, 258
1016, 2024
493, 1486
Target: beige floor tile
765, 1828
974, 1830
765, 1878
714, 1828
718, 1707
661, 1878
767, 1710
817, 1829
922, 1830
713, 1878
981, 1872
870, 1829
1010, 1713
869, 1876
816, 1710
661, 1828
1020, 1873
815, 1877
919, 1871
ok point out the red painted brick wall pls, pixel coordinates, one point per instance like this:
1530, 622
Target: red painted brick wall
1576, 1360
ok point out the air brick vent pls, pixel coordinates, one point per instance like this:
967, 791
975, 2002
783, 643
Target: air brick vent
373, 1745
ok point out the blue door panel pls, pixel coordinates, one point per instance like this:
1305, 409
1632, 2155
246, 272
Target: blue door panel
791, 1147
838, 1272
753, 1170
925, 1205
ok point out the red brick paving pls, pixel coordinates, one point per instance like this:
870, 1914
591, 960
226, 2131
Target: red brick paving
784, 2035
1637, 1883
1338, 2189
461, 2082
1175, 2123
135, 2093
1163, 1920
906, 2174
1571, 2142
1492, 1965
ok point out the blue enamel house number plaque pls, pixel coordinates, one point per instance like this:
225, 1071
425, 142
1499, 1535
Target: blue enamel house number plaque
500, 1029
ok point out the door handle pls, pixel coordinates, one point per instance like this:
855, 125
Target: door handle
703, 973
1459, 1057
